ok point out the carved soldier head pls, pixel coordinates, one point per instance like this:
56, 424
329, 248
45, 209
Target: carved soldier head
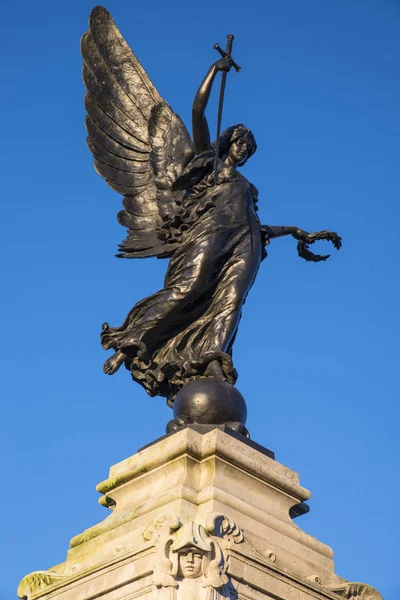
191, 553
191, 545
190, 562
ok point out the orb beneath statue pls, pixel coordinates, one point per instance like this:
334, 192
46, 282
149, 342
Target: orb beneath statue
209, 401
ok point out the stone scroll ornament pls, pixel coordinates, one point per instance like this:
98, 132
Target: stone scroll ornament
184, 200
356, 591
192, 559
37, 582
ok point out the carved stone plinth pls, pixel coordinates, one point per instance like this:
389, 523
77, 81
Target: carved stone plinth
201, 516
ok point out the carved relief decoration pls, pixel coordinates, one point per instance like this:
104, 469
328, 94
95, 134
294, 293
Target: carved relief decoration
357, 591
192, 559
36, 582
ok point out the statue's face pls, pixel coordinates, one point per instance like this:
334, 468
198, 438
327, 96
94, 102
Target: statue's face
190, 563
238, 151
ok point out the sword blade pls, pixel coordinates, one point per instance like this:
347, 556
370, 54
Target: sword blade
220, 107
219, 120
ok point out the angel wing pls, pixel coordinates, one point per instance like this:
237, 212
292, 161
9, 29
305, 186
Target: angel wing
140, 146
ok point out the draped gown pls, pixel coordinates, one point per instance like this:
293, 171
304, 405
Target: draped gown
170, 337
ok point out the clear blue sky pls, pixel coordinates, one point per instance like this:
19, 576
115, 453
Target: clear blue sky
317, 351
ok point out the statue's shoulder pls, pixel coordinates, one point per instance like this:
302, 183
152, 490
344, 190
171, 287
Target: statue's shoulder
239, 175
252, 188
254, 191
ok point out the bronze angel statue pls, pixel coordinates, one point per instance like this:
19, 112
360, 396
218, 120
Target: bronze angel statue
179, 203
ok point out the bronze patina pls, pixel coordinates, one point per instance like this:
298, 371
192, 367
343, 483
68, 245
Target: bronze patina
185, 201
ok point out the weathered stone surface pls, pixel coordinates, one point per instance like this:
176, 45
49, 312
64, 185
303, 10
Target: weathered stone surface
193, 497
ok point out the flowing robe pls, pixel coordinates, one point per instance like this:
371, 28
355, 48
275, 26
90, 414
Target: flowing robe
170, 337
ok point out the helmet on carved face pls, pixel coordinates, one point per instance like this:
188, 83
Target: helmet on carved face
192, 535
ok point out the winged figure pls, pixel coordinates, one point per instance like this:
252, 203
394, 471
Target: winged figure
175, 207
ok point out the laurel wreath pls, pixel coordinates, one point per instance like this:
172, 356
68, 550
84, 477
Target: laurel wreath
304, 242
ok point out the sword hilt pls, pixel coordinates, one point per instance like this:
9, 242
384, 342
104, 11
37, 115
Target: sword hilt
224, 53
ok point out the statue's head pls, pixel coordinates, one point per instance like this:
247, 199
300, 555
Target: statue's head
190, 562
190, 550
238, 143
191, 546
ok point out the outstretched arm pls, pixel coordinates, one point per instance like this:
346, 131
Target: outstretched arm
275, 231
304, 239
201, 132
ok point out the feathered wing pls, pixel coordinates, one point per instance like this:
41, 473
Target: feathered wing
140, 146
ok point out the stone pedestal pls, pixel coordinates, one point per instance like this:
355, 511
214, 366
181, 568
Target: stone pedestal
198, 514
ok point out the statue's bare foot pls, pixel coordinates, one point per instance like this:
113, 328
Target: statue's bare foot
214, 369
113, 363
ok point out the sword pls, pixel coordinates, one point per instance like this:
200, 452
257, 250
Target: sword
223, 53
